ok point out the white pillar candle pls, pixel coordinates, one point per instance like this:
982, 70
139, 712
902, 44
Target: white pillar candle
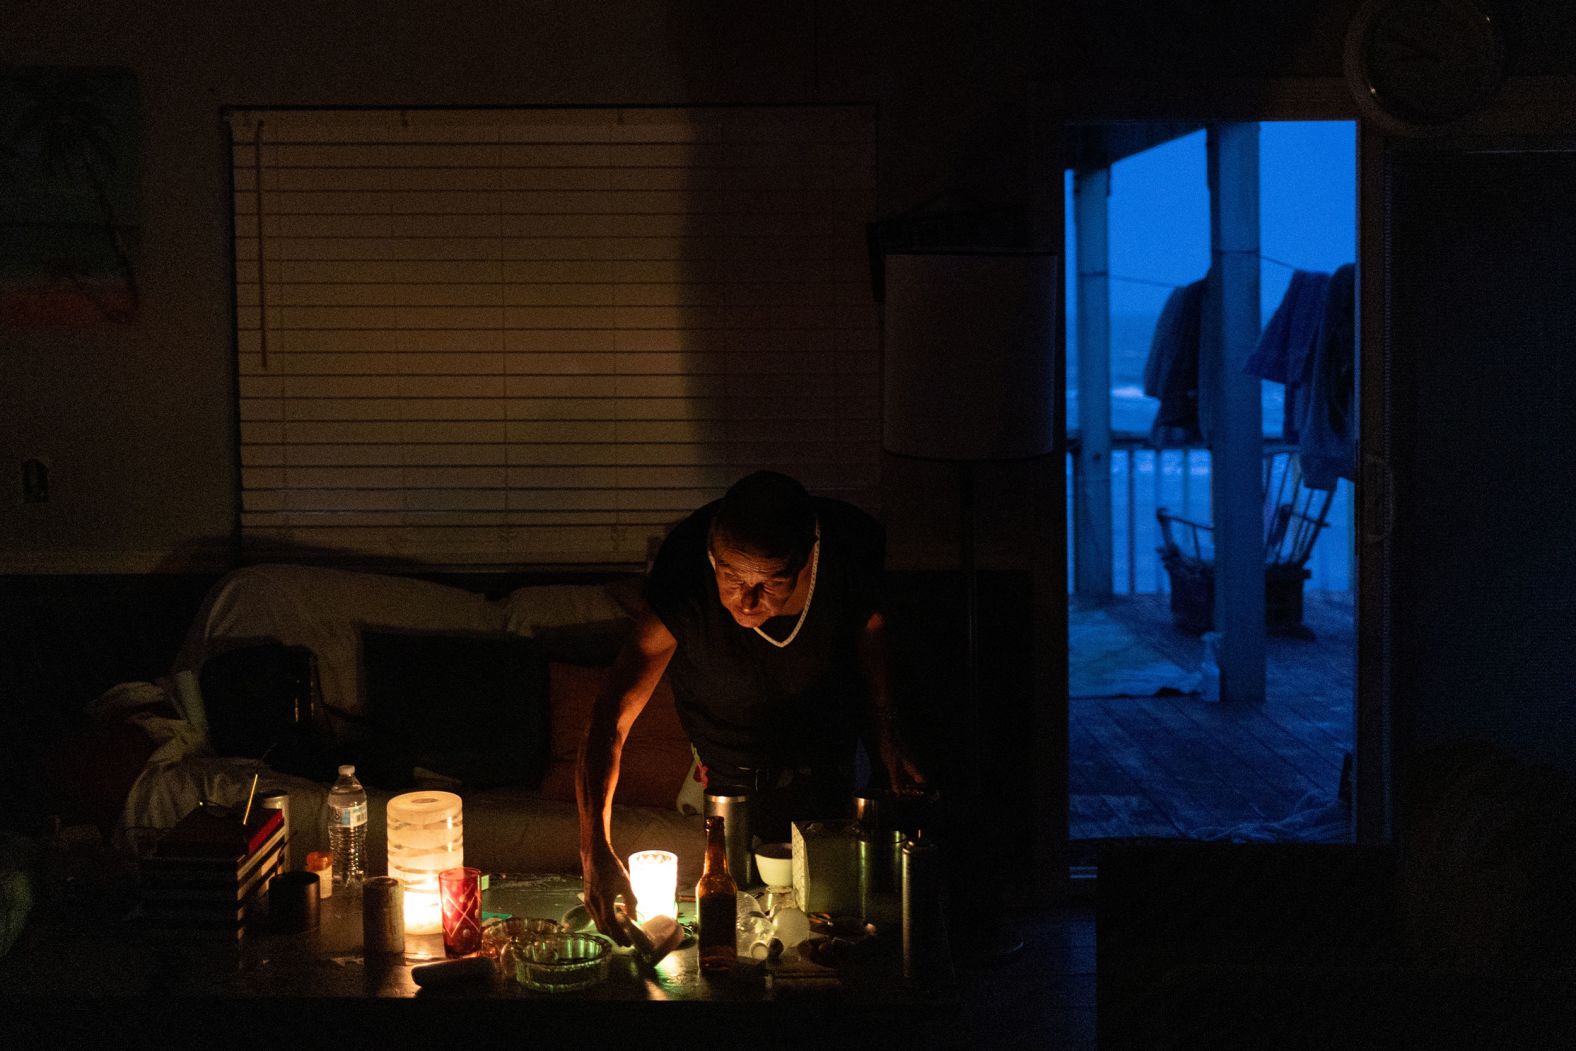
423, 911
426, 835
654, 877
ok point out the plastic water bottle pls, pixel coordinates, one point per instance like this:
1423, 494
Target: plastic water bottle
755, 930
1209, 668
347, 827
789, 923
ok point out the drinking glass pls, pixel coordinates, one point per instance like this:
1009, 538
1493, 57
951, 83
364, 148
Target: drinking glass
460, 895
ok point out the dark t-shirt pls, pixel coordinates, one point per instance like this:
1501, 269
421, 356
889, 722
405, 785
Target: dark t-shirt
744, 702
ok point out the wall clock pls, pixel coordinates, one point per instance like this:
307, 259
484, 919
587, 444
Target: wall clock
1417, 66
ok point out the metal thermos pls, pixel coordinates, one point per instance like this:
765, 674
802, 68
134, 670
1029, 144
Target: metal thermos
382, 916
926, 955
867, 811
892, 856
881, 848
735, 814
867, 815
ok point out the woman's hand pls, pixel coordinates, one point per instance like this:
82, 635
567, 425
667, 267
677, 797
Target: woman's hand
606, 879
904, 776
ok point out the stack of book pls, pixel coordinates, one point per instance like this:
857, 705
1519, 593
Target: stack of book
209, 874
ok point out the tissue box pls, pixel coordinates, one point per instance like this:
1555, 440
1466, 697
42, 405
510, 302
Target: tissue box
827, 875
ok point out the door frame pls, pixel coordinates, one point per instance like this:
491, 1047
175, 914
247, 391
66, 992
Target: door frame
1527, 114
1054, 104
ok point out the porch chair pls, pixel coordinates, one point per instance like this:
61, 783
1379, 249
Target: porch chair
1294, 514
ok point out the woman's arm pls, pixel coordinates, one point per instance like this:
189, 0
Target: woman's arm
903, 775
634, 675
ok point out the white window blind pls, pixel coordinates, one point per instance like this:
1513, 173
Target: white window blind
522, 336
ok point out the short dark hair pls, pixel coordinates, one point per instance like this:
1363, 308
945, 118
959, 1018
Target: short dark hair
769, 514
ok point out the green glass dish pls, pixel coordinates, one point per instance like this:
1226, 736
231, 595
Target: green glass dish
501, 933
562, 961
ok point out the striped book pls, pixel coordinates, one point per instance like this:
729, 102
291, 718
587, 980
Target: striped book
210, 873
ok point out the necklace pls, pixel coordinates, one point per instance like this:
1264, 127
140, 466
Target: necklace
815, 565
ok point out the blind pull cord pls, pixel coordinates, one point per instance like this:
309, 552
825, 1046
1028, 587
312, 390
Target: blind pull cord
262, 266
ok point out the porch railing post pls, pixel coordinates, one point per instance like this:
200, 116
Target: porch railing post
1229, 401
1092, 532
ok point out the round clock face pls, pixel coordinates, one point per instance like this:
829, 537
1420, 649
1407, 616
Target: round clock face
1424, 63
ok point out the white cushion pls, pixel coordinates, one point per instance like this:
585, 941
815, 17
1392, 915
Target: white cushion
326, 610
540, 607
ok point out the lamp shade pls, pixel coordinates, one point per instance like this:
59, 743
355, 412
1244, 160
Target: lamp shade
969, 365
426, 834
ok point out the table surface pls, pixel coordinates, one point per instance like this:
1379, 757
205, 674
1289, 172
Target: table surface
72, 959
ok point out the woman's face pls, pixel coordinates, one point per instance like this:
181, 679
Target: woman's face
752, 587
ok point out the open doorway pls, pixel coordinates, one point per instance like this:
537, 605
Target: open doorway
1210, 287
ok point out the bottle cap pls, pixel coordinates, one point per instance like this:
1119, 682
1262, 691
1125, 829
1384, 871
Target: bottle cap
347, 770
318, 860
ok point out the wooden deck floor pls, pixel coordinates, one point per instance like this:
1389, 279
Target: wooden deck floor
1173, 766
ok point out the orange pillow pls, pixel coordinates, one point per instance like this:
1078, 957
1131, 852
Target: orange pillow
656, 755
90, 773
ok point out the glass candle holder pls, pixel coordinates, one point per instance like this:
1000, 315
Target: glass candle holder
426, 834
460, 897
654, 877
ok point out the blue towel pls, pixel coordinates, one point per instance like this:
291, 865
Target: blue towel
1171, 370
1328, 424
1288, 340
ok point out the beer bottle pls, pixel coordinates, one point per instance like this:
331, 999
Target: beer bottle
716, 900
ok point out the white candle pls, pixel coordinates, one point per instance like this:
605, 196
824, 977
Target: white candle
654, 877
423, 913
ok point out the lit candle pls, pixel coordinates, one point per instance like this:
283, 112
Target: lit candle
654, 877
423, 913
426, 835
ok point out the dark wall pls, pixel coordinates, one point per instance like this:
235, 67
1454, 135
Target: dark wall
138, 419
67, 639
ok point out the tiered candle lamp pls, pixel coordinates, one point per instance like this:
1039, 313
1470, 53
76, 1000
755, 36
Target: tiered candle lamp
425, 836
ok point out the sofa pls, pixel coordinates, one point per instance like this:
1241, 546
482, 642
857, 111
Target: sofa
127, 764
369, 634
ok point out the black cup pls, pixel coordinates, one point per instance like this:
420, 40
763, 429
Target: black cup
293, 902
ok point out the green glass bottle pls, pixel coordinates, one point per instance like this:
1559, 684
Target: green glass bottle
716, 901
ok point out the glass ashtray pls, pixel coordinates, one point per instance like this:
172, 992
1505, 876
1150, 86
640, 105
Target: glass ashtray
500, 932
561, 961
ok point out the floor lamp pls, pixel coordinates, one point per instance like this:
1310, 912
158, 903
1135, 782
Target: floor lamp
968, 376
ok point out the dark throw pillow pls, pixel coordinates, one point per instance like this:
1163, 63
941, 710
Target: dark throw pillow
261, 701
593, 645
471, 707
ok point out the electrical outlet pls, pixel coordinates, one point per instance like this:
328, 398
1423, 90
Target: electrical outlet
35, 480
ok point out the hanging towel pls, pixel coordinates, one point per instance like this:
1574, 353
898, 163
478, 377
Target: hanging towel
1287, 341
1171, 370
1328, 426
